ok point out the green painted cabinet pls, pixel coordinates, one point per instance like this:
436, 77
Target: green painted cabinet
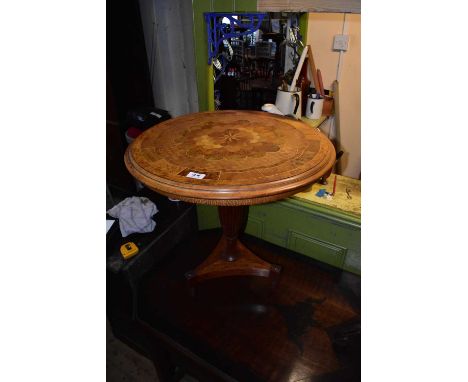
324, 232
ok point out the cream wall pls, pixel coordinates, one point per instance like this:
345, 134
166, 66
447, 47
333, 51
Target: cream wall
321, 29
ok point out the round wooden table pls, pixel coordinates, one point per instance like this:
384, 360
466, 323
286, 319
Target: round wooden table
231, 159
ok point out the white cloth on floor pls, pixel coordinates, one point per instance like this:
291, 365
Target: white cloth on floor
134, 215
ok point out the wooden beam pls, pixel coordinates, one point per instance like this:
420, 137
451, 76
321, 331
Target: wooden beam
332, 6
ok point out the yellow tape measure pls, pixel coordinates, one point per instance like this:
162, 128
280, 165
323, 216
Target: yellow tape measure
129, 250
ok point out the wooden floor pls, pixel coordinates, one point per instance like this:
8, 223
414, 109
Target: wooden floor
307, 328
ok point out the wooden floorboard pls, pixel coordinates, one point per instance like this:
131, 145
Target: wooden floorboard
306, 328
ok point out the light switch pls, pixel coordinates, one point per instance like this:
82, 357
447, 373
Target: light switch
340, 42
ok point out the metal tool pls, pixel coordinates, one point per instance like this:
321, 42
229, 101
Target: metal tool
128, 250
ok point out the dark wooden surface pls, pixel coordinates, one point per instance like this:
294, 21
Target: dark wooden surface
175, 222
307, 328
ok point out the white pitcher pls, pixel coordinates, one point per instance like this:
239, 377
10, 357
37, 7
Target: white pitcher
289, 102
314, 107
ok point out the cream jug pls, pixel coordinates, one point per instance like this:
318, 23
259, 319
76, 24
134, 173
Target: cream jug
289, 102
314, 107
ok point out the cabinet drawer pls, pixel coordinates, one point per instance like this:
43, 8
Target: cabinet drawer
317, 249
255, 227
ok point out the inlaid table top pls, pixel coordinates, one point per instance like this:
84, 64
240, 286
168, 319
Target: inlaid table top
229, 157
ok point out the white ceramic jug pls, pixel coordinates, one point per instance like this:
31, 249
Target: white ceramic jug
289, 102
314, 107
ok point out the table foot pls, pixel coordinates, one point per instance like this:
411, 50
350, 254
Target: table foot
245, 263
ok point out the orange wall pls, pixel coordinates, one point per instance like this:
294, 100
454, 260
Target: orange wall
321, 29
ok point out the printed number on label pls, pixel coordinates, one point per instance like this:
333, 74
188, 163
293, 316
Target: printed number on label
195, 175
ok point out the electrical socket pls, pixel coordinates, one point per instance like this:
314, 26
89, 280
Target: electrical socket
340, 42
